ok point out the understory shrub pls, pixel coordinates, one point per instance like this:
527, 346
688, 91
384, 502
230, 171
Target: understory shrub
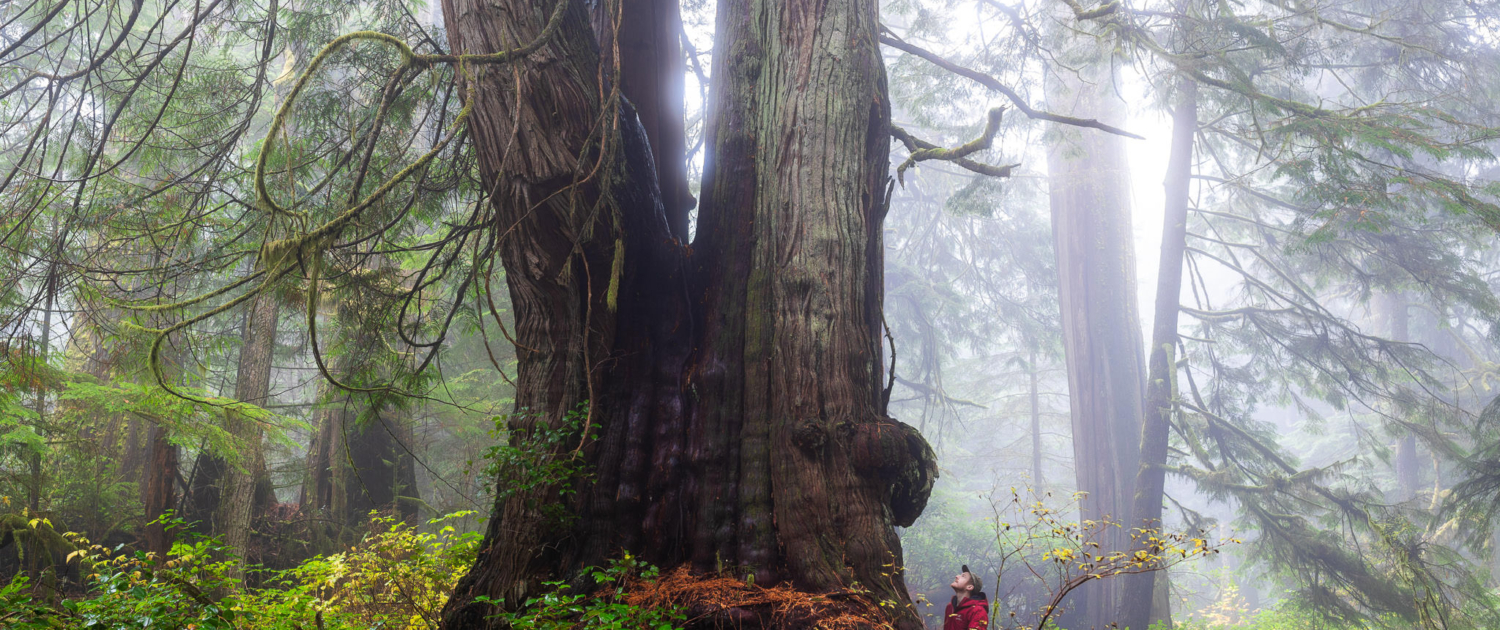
397, 577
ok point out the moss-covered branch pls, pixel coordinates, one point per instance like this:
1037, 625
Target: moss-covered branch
922, 150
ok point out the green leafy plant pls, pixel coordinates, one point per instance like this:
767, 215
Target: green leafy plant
138, 589
397, 577
541, 457
605, 609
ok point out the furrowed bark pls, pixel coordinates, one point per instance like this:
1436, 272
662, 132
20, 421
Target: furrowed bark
793, 199
733, 515
1137, 595
1091, 229
812, 386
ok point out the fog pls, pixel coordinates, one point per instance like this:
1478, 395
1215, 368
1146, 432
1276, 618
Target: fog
689, 314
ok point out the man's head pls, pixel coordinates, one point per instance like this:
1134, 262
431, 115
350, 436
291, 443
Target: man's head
966, 583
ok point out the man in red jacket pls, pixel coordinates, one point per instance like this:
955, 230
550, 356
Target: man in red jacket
970, 609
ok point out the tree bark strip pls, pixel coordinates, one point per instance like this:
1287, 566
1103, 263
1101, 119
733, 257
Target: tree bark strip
1036, 428
533, 126
1137, 596
160, 496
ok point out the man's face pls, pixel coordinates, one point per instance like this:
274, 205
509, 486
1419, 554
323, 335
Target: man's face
961, 582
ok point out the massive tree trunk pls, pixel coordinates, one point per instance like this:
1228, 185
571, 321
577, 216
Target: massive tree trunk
726, 404
790, 363
1089, 188
1138, 593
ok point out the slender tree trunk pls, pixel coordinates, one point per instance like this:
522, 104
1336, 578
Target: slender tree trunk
1495, 557
161, 476
1398, 328
1138, 595
732, 410
39, 559
1092, 236
43, 348
1036, 428
253, 386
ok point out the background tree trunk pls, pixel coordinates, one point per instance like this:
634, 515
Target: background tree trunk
160, 471
160, 496
1137, 596
1398, 328
1091, 227
1495, 557
252, 385
43, 349
214, 486
316, 495
1034, 393
360, 458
